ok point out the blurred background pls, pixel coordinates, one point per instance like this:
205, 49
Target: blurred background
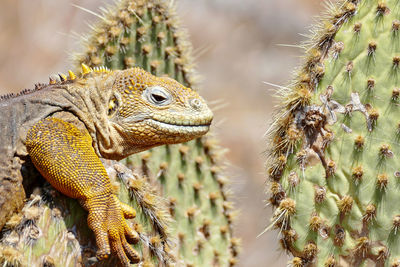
237, 44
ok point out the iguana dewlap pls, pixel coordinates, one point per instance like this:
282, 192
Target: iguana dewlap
66, 126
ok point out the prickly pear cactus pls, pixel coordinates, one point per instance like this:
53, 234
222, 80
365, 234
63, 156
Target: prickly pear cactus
183, 182
333, 168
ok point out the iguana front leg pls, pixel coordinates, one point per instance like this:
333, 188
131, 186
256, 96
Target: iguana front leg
64, 155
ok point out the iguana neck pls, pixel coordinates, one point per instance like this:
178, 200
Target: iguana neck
90, 99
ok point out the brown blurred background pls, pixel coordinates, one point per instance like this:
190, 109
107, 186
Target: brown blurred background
237, 45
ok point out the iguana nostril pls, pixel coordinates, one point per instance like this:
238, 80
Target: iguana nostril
196, 104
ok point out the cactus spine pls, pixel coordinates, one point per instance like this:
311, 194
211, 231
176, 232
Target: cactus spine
189, 177
334, 178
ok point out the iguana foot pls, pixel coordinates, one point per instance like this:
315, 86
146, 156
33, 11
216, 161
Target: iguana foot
107, 218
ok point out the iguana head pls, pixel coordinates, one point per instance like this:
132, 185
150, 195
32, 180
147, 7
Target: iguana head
149, 111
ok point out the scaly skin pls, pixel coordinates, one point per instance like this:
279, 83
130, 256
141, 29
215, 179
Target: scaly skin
109, 114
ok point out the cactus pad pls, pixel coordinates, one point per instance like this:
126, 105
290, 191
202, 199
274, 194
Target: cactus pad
334, 177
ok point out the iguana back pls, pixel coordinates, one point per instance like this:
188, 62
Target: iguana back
18, 114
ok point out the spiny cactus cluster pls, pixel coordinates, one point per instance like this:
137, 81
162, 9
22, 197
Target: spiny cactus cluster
334, 178
183, 182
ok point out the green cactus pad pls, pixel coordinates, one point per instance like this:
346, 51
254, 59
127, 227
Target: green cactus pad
342, 178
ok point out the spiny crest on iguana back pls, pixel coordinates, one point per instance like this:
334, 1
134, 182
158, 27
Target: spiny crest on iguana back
61, 79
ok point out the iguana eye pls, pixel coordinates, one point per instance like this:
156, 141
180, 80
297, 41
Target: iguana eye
157, 98
157, 95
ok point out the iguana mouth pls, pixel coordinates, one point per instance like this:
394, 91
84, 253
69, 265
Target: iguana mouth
179, 127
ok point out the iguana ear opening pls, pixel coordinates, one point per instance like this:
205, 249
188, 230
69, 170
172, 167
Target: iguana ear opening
113, 105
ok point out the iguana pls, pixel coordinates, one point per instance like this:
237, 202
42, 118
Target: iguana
66, 126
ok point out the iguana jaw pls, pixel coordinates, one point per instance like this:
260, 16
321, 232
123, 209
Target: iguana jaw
168, 123
144, 130
140, 134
